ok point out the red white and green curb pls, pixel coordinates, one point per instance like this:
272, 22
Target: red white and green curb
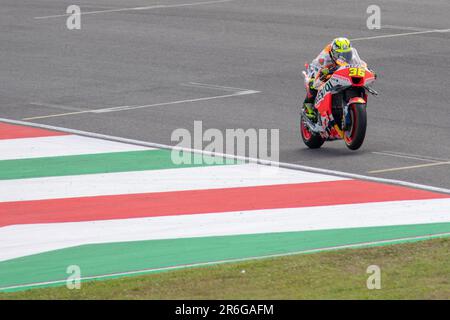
218, 262
119, 207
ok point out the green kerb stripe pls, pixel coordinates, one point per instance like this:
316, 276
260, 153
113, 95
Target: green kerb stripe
102, 259
99, 163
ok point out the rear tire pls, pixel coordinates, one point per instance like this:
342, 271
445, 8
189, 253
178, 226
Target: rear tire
312, 140
354, 137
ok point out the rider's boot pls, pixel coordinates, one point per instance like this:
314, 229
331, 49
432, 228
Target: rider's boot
308, 103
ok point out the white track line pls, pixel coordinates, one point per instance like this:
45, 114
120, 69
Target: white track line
243, 92
235, 94
390, 26
56, 115
417, 155
56, 106
411, 167
407, 156
146, 271
211, 86
159, 6
401, 34
251, 160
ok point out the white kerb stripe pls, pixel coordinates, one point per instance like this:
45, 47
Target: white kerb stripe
22, 240
227, 176
60, 146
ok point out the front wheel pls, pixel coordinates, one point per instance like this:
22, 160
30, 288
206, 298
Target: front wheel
312, 140
354, 136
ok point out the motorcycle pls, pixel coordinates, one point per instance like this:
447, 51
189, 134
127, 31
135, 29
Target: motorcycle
340, 105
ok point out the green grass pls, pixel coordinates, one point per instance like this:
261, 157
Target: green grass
419, 270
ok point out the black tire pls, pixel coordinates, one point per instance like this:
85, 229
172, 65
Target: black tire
355, 138
314, 141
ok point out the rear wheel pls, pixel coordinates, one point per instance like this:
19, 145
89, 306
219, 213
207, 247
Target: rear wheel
312, 140
354, 136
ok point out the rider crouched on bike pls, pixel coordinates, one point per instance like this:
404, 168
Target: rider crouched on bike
322, 67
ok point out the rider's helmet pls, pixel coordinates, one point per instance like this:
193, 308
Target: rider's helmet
341, 50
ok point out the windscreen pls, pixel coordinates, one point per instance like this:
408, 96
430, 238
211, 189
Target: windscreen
350, 58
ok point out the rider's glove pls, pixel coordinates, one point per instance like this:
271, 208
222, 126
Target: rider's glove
324, 73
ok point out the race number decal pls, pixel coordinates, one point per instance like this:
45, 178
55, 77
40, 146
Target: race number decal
356, 72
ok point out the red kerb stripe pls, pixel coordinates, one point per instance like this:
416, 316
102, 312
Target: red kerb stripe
12, 131
205, 201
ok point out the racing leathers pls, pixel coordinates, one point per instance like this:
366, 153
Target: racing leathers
320, 69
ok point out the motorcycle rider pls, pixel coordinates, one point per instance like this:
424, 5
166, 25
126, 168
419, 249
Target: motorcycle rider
323, 66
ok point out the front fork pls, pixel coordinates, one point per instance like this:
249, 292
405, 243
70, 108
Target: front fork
346, 119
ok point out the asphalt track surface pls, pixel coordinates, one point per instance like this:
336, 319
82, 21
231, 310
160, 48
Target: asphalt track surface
131, 57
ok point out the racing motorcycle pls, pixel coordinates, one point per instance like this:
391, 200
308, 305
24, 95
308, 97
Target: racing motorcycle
340, 105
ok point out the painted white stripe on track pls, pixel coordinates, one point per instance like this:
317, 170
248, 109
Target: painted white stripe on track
157, 6
401, 34
60, 146
124, 108
426, 165
22, 240
227, 176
